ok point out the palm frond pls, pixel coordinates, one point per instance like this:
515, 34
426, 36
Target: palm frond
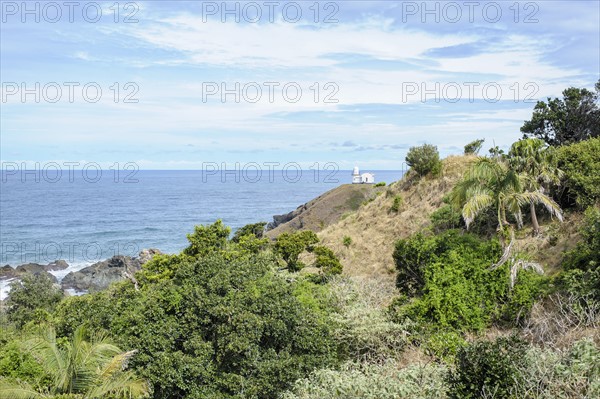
478, 201
18, 390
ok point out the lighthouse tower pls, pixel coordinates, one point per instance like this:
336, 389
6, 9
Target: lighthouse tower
356, 176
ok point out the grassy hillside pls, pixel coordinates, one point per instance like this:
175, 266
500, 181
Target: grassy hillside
326, 209
375, 227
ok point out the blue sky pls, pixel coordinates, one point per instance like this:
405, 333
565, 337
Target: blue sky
393, 68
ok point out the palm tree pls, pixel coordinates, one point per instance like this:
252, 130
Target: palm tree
491, 182
79, 368
534, 158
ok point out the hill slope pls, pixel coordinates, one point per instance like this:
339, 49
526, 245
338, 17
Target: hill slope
324, 210
374, 228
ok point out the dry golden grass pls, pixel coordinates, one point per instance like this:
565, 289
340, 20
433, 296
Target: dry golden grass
547, 249
374, 228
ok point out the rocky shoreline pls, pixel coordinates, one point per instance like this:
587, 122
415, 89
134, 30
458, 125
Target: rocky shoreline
95, 277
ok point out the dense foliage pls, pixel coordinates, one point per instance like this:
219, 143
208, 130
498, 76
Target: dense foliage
252, 317
573, 118
216, 327
473, 147
582, 265
424, 160
86, 366
488, 369
581, 165
289, 246
32, 298
449, 281
254, 229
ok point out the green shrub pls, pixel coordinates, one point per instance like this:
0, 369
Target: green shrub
424, 159
443, 344
397, 204
16, 363
380, 184
586, 256
488, 369
445, 218
372, 381
32, 299
254, 229
529, 287
289, 246
570, 373
207, 239
326, 260
474, 146
364, 330
451, 278
411, 256
582, 265
347, 241
216, 324
580, 163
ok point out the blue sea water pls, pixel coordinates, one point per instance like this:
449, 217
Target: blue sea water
82, 218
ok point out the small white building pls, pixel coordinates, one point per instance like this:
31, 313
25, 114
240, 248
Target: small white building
358, 178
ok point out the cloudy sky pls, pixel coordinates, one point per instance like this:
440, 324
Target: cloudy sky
170, 85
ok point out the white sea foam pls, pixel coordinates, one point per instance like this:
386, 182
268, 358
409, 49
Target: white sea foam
59, 274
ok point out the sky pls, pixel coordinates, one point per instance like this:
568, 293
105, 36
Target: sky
178, 84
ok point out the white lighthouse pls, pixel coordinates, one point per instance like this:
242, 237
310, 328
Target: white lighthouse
357, 178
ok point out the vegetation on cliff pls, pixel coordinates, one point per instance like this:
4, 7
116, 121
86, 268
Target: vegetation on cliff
472, 277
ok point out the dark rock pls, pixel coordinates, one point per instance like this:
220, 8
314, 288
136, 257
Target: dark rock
102, 274
281, 219
7, 272
33, 268
56, 265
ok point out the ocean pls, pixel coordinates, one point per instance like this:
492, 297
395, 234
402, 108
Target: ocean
83, 218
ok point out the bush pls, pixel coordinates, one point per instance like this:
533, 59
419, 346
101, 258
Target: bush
380, 184
326, 260
207, 239
580, 163
443, 344
347, 241
424, 159
571, 373
32, 298
445, 218
254, 229
411, 257
364, 330
488, 369
216, 324
581, 277
372, 381
289, 246
473, 147
450, 276
397, 204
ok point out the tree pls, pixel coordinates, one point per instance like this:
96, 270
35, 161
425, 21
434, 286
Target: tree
581, 165
207, 239
218, 326
81, 368
254, 229
536, 159
424, 159
493, 183
573, 118
473, 147
289, 246
31, 297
